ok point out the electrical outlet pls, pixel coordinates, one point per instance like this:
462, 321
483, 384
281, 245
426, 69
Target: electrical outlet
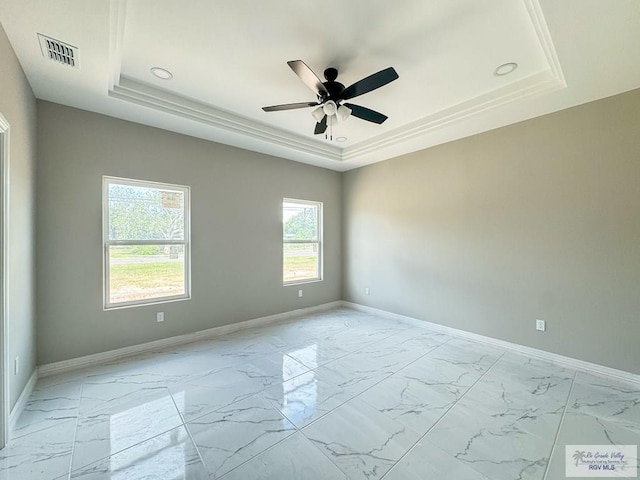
541, 325
160, 317
17, 365
299, 293
366, 291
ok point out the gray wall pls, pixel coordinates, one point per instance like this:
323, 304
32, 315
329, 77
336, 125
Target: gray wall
18, 106
536, 220
486, 234
236, 198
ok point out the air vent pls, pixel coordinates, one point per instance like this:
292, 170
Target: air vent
59, 52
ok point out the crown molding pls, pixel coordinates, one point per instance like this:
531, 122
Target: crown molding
533, 85
544, 37
137, 92
544, 82
117, 12
134, 91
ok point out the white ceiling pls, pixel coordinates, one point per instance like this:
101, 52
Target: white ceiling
228, 60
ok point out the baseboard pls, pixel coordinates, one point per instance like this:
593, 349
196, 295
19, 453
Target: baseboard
111, 355
569, 362
21, 403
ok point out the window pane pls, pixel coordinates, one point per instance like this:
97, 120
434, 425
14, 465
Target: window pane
301, 261
300, 221
145, 213
141, 272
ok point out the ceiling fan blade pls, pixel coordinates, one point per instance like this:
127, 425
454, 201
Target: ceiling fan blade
289, 106
309, 78
321, 126
370, 83
366, 113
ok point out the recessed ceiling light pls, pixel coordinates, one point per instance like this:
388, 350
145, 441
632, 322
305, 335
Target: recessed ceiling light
161, 73
341, 139
505, 69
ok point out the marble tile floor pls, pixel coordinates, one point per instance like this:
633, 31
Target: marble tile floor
335, 395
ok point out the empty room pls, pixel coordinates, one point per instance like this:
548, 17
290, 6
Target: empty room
356, 240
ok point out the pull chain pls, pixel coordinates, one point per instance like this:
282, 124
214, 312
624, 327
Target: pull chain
330, 137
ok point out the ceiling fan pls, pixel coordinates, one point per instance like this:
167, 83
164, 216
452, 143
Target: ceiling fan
332, 95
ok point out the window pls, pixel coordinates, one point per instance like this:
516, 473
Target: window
302, 241
146, 242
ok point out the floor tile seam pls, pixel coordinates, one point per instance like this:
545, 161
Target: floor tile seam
402, 368
260, 394
359, 394
263, 452
300, 346
558, 430
102, 411
380, 340
350, 352
58, 422
386, 338
607, 421
304, 428
75, 436
175, 404
623, 425
155, 354
255, 394
143, 386
325, 363
102, 459
325, 454
348, 400
187, 382
297, 361
195, 445
198, 375
256, 362
524, 402
38, 404
110, 404
421, 356
289, 379
64, 475
317, 339
80, 381
424, 436
618, 382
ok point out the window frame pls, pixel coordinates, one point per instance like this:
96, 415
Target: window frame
106, 242
319, 241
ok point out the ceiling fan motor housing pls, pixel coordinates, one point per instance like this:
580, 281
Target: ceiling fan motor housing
334, 88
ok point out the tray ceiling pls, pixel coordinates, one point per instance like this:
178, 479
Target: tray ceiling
228, 59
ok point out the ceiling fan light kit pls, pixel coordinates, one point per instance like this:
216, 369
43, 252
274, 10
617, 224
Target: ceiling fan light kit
330, 107
318, 114
343, 113
331, 96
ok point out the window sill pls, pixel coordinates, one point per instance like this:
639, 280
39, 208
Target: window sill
301, 282
159, 301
